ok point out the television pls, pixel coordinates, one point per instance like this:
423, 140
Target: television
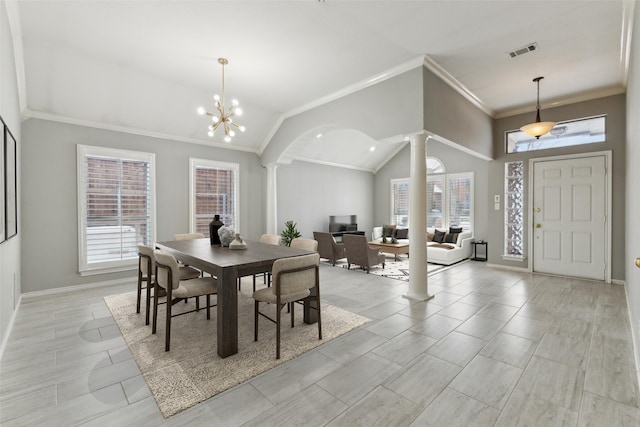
343, 223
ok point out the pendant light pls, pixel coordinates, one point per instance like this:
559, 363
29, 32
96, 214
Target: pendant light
538, 128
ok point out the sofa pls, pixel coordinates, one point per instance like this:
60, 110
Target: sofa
455, 246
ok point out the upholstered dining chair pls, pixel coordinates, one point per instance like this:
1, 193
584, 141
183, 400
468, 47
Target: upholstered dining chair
183, 268
293, 279
270, 239
168, 279
305, 244
360, 253
328, 247
146, 274
188, 236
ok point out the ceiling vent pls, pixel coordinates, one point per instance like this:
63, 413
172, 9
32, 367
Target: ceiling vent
531, 47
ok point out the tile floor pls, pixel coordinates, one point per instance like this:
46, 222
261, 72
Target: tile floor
494, 347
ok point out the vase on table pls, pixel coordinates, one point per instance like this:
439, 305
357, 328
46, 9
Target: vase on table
214, 226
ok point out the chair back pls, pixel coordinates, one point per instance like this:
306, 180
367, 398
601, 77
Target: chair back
305, 244
271, 239
188, 236
146, 261
356, 248
168, 270
295, 274
325, 244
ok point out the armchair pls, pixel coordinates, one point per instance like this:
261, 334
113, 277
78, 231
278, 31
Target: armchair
328, 248
360, 253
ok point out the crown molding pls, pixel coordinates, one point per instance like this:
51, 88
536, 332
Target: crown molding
128, 130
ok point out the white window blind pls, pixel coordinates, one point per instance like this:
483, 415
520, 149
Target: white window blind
214, 191
400, 202
436, 206
460, 194
116, 207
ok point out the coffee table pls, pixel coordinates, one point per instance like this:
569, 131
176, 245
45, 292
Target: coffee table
391, 248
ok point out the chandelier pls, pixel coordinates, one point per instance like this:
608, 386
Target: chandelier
538, 128
223, 118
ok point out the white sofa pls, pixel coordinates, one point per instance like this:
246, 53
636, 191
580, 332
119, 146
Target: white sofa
458, 251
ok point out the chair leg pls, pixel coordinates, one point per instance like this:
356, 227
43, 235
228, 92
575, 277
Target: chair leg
146, 320
255, 321
319, 315
278, 315
139, 292
156, 288
167, 332
292, 306
208, 307
197, 303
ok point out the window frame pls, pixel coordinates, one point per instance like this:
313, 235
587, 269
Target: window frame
393, 216
194, 163
83, 151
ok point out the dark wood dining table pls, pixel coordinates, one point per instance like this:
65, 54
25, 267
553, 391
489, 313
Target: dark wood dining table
227, 265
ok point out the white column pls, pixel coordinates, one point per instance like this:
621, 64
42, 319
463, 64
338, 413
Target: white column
272, 199
418, 219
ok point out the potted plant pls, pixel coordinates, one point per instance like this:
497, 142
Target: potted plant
289, 233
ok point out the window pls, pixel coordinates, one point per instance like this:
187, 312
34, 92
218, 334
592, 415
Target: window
436, 208
116, 204
214, 190
514, 209
400, 202
460, 196
563, 134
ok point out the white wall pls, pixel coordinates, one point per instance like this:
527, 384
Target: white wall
10, 280
632, 228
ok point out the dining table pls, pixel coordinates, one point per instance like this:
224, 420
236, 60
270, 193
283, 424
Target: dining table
227, 265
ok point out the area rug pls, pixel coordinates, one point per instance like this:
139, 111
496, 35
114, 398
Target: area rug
192, 371
399, 269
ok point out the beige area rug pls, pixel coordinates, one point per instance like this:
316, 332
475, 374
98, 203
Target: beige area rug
192, 371
399, 269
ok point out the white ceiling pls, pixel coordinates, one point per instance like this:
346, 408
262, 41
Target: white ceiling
145, 66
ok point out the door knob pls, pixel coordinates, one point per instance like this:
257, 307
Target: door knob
638, 262
538, 225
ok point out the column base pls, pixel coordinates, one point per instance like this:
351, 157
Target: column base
417, 297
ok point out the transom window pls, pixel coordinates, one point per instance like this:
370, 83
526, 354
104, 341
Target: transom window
573, 132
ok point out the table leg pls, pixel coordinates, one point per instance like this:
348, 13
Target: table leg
227, 312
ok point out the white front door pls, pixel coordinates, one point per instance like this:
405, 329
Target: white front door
569, 217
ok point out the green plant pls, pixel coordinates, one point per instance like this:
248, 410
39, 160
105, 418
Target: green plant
289, 233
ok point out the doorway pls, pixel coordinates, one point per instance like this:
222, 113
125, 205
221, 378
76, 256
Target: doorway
570, 231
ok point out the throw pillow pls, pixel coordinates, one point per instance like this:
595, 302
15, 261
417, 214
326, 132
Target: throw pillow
438, 236
402, 233
455, 229
451, 238
388, 230
429, 237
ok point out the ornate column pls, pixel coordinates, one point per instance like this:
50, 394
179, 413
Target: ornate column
418, 219
272, 199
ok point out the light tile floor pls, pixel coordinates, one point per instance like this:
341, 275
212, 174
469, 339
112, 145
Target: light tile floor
494, 347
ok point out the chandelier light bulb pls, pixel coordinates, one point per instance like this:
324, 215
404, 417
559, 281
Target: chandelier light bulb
216, 97
201, 111
234, 102
215, 119
232, 133
242, 128
211, 127
210, 133
227, 138
238, 111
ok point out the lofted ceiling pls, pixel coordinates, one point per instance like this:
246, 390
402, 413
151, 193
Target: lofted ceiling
145, 66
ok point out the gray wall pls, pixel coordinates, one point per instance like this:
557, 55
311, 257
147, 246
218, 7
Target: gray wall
632, 179
49, 215
10, 279
309, 193
614, 108
367, 110
451, 116
454, 161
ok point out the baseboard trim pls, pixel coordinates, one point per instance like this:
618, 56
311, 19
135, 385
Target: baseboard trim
619, 282
634, 341
3, 345
73, 288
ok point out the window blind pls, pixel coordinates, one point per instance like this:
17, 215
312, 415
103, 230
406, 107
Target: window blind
214, 191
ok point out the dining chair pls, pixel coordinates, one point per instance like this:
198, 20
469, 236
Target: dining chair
168, 279
305, 244
270, 239
293, 280
146, 274
188, 236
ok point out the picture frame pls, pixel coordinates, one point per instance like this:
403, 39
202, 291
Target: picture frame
10, 184
3, 233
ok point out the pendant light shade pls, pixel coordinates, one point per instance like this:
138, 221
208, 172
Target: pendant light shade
538, 128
